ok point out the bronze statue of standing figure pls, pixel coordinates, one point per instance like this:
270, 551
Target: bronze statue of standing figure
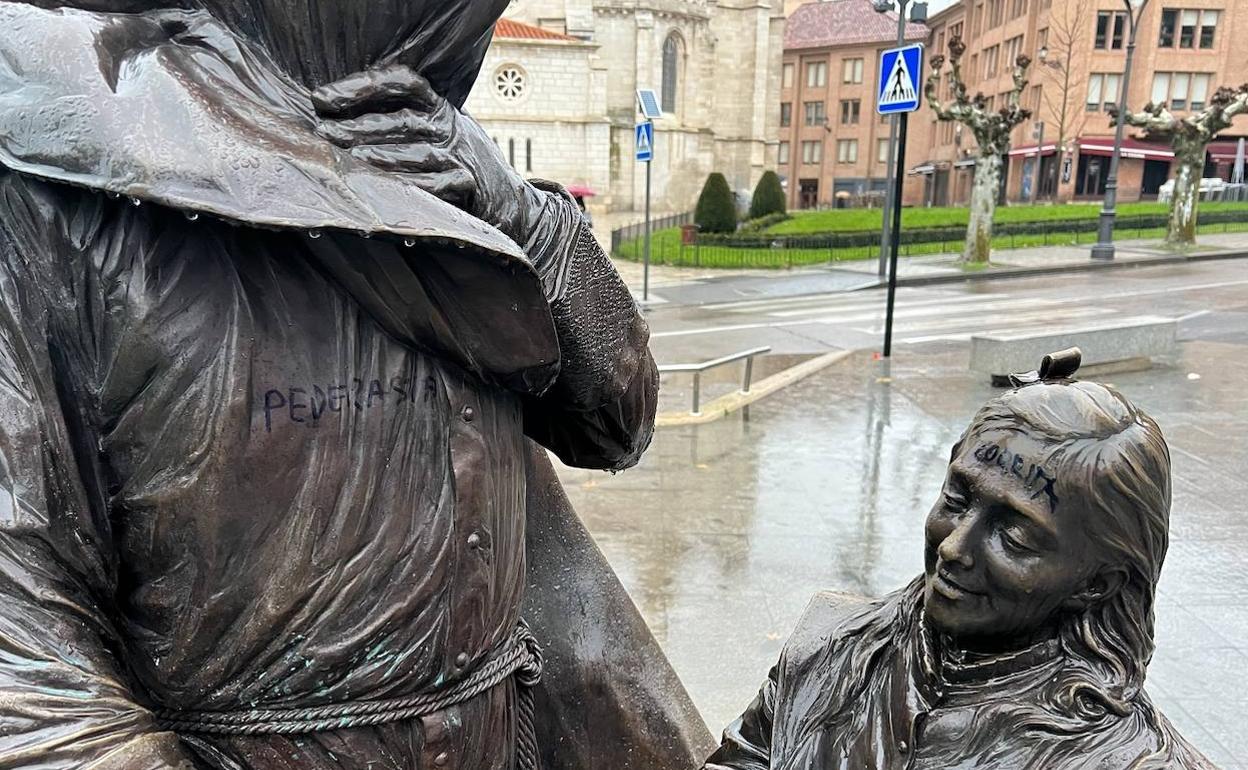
1025, 643
278, 329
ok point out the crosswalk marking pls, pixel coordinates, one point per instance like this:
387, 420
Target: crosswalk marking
924, 314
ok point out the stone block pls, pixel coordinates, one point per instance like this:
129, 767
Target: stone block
1000, 354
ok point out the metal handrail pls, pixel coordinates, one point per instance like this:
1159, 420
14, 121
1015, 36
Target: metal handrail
697, 369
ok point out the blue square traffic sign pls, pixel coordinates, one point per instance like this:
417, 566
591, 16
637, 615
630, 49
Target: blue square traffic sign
645, 141
901, 74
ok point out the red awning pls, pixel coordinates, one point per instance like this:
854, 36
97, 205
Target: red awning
1030, 150
1131, 148
1223, 150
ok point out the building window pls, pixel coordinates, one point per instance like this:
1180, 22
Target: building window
1188, 21
954, 31
1102, 91
786, 114
1018, 8
528, 154
671, 72
977, 18
1191, 28
816, 113
812, 152
1169, 19
1208, 26
817, 74
510, 82
782, 154
847, 151
1109, 30
1181, 90
787, 77
851, 71
850, 110
511, 152
1013, 47
1200, 91
991, 57
881, 150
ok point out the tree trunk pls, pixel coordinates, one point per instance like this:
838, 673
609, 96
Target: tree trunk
983, 205
1191, 161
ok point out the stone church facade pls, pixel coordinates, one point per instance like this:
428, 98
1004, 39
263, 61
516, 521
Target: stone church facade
557, 92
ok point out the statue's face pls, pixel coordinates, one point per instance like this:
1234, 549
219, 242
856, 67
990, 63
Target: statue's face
1007, 551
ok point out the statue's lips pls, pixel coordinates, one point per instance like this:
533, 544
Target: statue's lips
950, 588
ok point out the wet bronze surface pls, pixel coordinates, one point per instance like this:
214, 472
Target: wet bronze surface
1025, 643
267, 368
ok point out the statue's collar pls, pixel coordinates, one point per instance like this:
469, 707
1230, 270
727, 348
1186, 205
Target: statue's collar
946, 667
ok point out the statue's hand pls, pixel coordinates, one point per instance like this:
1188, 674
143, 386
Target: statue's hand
392, 118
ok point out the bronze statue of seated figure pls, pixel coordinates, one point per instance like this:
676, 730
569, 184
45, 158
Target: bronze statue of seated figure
1025, 643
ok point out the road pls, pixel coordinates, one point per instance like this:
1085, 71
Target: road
1210, 298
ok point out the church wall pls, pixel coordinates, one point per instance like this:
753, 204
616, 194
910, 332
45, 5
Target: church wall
728, 86
557, 127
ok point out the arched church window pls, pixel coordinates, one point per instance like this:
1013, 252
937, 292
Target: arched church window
671, 71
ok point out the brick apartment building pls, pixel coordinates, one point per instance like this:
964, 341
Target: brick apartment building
833, 146
1185, 50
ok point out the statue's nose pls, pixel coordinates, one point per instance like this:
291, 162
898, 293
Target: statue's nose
956, 547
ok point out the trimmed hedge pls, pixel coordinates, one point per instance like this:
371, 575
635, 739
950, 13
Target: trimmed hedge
762, 223
768, 197
716, 212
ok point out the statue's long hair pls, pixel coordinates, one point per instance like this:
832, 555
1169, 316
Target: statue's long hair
1102, 445
1114, 454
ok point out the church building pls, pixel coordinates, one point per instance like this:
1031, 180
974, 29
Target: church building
558, 93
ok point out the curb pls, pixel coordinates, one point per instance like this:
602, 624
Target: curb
1075, 267
725, 405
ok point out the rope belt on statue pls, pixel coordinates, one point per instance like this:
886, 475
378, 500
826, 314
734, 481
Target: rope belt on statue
519, 656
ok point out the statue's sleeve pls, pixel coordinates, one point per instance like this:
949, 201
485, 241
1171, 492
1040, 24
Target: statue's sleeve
746, 743
600, 411
64, 698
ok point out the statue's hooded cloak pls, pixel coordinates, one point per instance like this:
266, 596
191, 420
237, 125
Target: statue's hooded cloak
263, 412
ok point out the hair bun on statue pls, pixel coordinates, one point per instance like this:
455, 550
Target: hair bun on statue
1058, 366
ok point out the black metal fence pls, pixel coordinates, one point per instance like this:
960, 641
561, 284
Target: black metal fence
763, 251
638, 230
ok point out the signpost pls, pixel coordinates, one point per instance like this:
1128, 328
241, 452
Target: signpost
643, 137
901, 70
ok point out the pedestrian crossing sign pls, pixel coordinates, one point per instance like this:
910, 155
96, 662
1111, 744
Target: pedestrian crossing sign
900, 72
645, 141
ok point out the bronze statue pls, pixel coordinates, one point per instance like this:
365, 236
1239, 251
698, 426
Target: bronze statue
276, 321
1025, 643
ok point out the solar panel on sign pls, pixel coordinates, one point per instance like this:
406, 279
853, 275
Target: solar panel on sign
648, 103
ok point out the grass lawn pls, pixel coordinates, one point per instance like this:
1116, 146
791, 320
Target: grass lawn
665, 248
850, 220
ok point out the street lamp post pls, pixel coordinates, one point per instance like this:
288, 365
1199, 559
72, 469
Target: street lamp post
1104, 248
883, 6
1036, 178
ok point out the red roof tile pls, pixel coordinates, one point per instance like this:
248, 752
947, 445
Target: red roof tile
515, 30
844, 22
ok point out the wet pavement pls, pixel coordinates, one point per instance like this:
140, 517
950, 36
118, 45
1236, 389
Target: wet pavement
725, 530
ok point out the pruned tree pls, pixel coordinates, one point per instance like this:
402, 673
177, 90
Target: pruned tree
1064, 84
991, 129
1189, 136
